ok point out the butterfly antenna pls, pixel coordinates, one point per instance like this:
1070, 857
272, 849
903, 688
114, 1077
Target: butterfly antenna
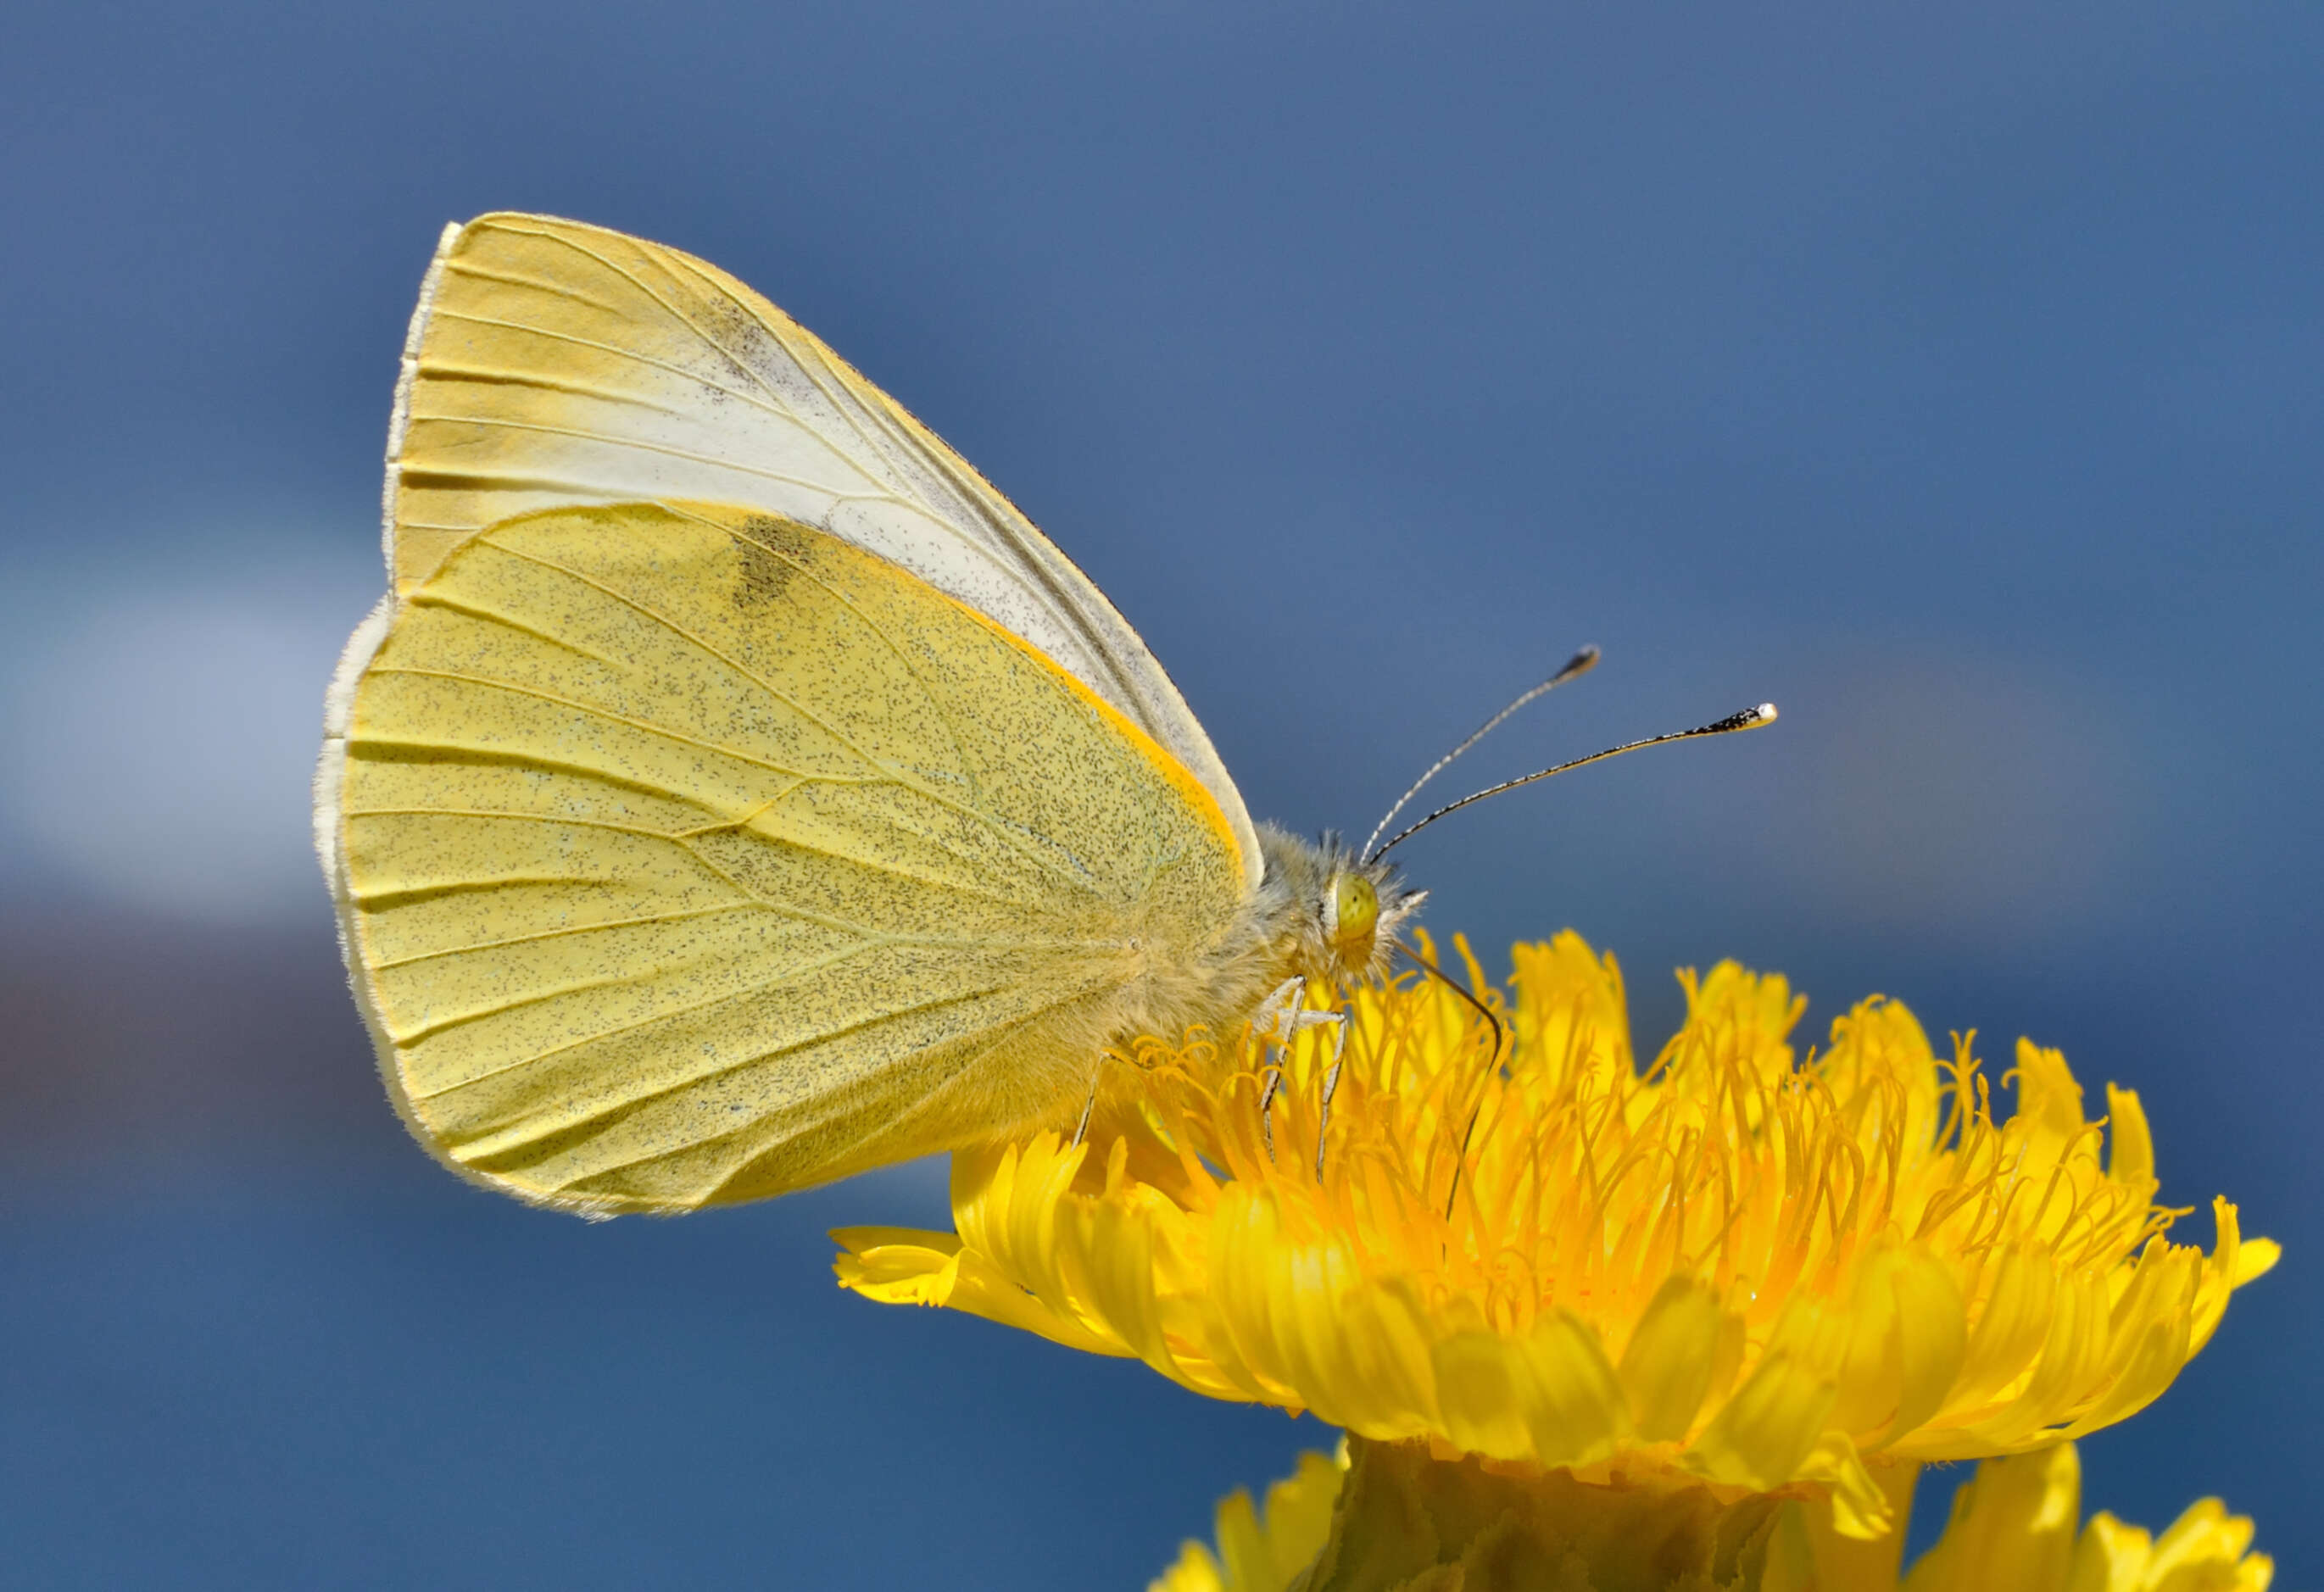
1460, 989
1750, 718
1461, 1163
1579, 663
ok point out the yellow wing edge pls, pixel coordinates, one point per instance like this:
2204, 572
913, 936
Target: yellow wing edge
1199, 795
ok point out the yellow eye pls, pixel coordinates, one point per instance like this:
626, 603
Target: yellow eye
1355, 911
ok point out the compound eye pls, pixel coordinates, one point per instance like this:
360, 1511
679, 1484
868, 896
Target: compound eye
1355, 913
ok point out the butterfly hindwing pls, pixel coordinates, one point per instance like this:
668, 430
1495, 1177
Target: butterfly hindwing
689, 854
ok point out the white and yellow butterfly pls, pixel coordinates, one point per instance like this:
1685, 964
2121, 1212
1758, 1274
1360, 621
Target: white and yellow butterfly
733, 791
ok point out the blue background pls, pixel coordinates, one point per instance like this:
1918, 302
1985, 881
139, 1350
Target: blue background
1950, 376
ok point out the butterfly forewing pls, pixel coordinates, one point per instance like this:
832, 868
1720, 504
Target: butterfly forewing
553, 363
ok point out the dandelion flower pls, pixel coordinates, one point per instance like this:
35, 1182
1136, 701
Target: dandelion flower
2013, 1528
1740, 1270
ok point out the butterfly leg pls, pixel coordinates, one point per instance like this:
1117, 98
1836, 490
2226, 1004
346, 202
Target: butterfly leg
1266, 1108
1271, 1024
1339, 1021
1081, 1128
1277, 1022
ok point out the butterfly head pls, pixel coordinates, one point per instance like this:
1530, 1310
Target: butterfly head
1338, 915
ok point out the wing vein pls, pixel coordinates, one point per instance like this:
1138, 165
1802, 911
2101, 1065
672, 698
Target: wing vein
458, 267
1013, 1028
443, 370
788, 975
741, 365
648, 726
754, 399
845, 410
404, 894
677, 838
685, 839
570, 929
869, 865
641, 445
428, 597
471, 756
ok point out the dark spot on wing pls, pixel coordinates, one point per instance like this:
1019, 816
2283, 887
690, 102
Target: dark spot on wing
772, 551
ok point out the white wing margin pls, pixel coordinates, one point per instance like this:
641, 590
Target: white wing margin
552, 362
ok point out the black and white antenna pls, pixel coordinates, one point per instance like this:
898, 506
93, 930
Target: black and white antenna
1579, 663
1750, 718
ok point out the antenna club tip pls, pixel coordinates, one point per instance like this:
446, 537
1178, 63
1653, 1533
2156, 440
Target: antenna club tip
1767, 713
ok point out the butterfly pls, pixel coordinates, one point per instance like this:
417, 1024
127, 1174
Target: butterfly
733, 791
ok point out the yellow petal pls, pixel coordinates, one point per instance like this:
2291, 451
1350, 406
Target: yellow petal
1768, 1428
1574, 1409
897, 1266
2131, 1159
1667, 1365
2012, 1528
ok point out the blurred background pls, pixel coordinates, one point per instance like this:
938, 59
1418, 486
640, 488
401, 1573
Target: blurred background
1953, 376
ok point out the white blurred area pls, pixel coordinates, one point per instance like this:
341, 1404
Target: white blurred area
158, 731
158, 728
